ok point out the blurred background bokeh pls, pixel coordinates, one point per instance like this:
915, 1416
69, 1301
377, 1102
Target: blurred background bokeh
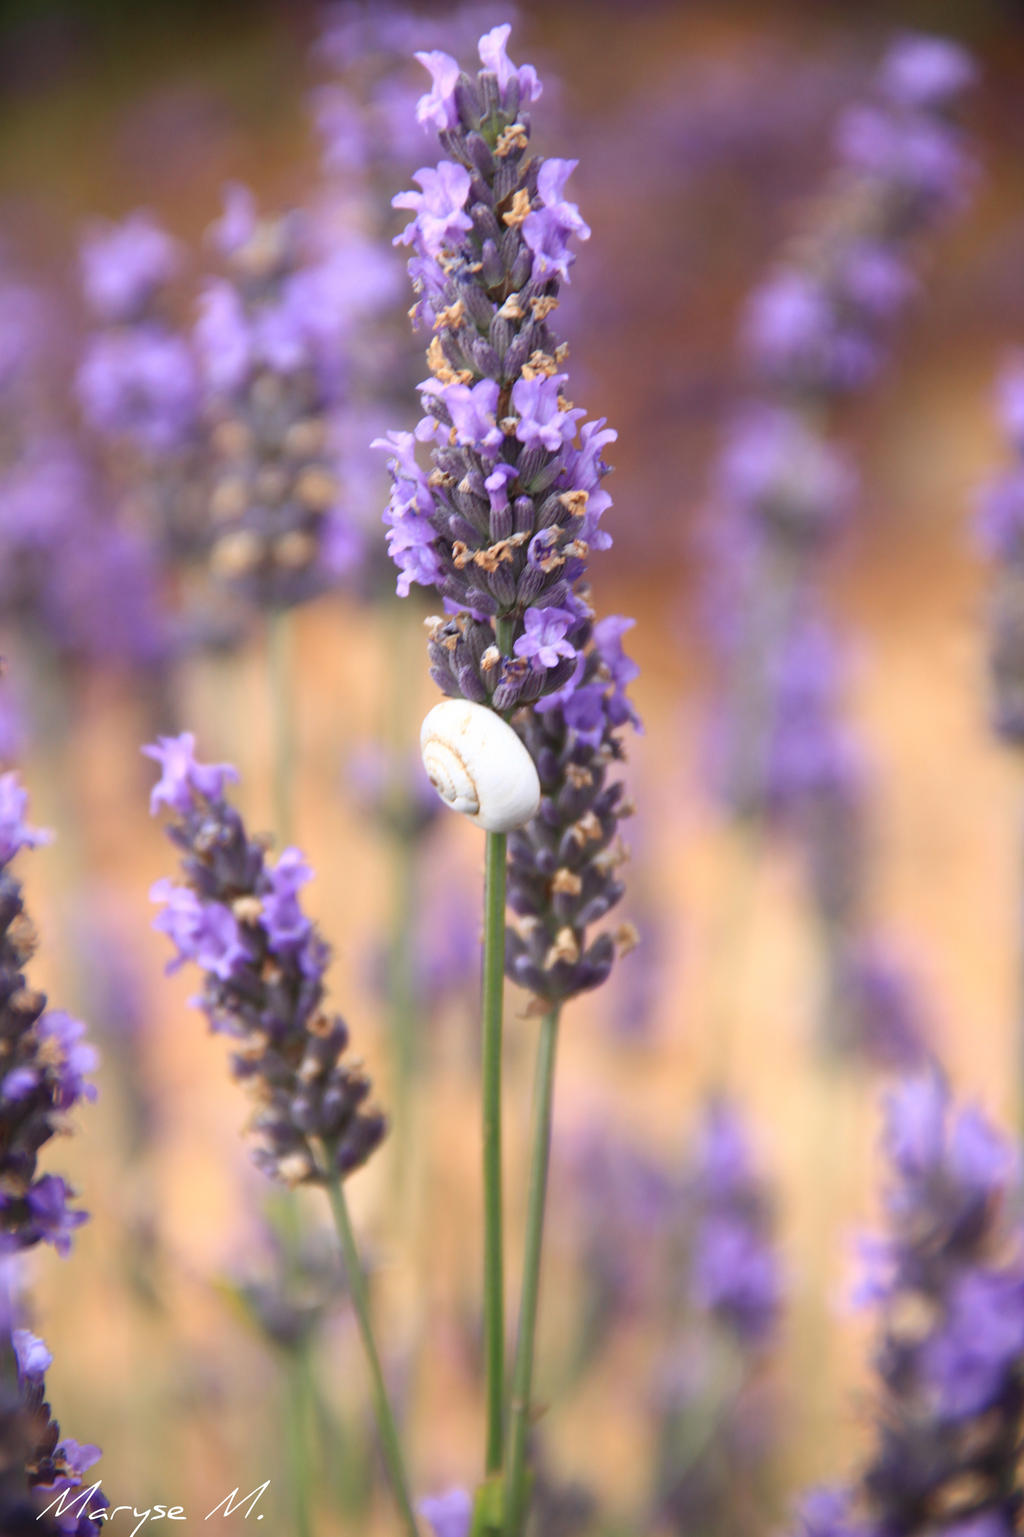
704, 134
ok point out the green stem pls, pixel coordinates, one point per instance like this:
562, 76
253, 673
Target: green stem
386, 1427
494, 1279
516, 1496
299, 1470
492, 1002
282, 723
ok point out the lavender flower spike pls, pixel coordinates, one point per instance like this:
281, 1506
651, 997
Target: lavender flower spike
43, 1062
273, 338
502, 524
240, 920
43, 1489
949, 1283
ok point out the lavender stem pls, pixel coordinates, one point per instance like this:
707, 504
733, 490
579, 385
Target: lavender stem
491, 1010
299, 1472
516, 1492
386, 1427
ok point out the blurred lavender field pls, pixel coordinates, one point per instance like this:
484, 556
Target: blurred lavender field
203, 324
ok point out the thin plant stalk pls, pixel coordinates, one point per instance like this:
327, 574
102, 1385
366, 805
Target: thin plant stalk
386, 1427
299, 1470
516, 1494
494, 1280
492, 1004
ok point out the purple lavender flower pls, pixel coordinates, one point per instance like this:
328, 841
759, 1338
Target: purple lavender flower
139, 385
46, 1062
925, 72
950, 1351
548, 229
15, 832
448, 1513
137, 382
124, 266
83, 584
239, 919
182, 778
439, 208
544, 637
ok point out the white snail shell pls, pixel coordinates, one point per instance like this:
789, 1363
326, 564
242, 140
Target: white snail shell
479, 766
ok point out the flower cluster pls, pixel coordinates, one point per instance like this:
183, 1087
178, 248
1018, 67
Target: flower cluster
949, 1283
271, 337
1001, 529
502, 524
137, 379
75, 580
819, 327
448, 1513
563, 873
240, 920
736, 1277
44, 1061
41, 1472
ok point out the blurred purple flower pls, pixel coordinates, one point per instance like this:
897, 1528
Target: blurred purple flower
448, 1513
125, 265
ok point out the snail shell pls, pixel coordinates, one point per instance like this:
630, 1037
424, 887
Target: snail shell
479, 766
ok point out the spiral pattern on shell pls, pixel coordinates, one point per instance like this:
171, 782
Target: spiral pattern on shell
479, 766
